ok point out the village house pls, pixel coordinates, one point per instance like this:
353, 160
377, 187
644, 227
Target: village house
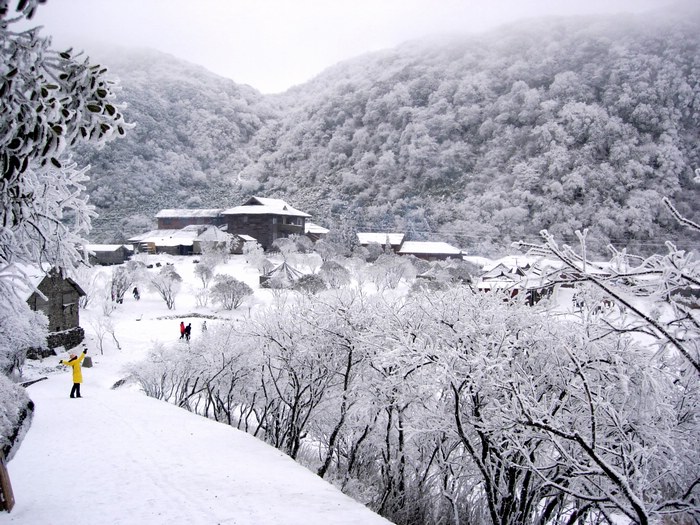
426, 250
186, 241
532, 280
172, 242
258, 219
108, 254
266, 220
430, 250
61, 306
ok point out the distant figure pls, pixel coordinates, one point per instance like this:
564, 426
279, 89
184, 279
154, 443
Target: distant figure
182, 329
75, 362
136, 293
188, 331
204, 326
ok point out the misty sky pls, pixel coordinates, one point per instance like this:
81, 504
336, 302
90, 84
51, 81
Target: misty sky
274, 44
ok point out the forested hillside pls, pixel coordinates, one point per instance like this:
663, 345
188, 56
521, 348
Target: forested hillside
191, 136
556, 123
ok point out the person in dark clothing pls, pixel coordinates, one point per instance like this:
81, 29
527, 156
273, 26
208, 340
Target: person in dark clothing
188, 331
136, 293
74, 362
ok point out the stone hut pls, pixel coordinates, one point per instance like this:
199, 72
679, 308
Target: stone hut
61, 306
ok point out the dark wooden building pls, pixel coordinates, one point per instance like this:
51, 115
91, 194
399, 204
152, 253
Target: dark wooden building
266, 220
108, 254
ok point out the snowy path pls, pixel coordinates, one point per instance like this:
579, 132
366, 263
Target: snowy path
118, 457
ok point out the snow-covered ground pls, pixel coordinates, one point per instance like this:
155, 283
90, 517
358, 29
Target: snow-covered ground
116, 456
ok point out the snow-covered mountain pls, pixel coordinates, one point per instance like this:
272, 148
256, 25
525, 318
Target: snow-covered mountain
557, 123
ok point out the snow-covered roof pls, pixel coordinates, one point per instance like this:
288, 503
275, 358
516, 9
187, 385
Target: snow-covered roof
310, 227
25, 278
428, 247
181, 237
395, 239
246, 238
212, 233
528, 276
106, 247
182, 212
264, 206
499, 270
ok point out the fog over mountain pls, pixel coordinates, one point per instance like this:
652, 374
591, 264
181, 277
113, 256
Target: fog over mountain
555, 123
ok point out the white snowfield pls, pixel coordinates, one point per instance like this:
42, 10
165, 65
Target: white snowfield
119, 457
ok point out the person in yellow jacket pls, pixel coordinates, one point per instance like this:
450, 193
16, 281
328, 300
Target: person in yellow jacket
75, 362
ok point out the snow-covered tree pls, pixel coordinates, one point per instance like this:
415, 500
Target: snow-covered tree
295, 377
167, 283
655, 297
20, 329
92, 283
310, 283
335, 274
16, 412
120, 283
50, 101
205, 271
229, 291
254, 254
388, 270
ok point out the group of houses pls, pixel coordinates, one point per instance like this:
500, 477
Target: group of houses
534, 280
258, 220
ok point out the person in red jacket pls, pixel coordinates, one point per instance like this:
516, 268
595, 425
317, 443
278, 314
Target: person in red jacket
182, 329
74, 362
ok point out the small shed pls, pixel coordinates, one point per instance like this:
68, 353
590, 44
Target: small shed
108, 254
172, 242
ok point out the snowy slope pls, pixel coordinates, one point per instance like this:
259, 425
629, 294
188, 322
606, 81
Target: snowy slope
118, 457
